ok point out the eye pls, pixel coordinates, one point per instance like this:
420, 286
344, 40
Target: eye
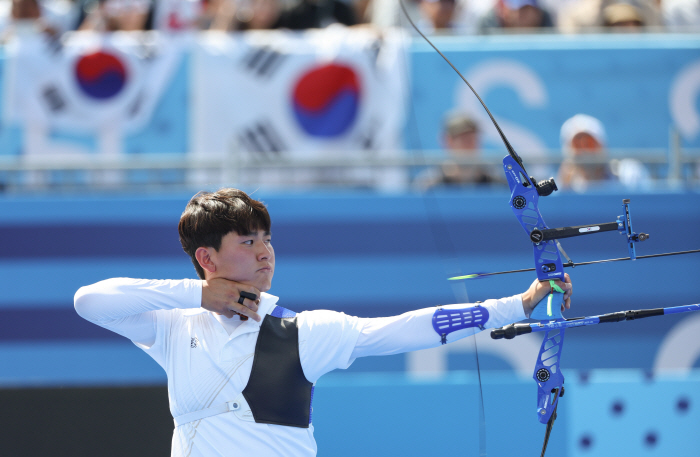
248, 242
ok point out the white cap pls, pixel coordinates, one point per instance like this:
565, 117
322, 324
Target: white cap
582, 123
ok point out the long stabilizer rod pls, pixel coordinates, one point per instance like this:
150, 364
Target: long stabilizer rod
511, 331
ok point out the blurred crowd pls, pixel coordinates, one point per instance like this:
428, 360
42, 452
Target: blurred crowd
433, 16
585, 161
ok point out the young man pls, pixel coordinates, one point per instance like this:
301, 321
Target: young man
240, 368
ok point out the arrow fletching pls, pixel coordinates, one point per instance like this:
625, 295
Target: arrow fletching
471, 276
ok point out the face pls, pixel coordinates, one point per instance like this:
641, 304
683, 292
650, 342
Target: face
584, 143
463, 142
440, 12
248, 259
526, 16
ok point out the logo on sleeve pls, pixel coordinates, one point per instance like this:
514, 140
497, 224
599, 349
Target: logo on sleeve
194, 342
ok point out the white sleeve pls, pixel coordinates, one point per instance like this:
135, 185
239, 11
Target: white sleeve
326, 340
414, 330
129, 306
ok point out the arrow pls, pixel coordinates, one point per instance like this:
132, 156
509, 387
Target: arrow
569, 264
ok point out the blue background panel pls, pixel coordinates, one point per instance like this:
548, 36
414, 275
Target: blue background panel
363, 254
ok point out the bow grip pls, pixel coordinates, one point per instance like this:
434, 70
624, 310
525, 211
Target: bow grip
549, 308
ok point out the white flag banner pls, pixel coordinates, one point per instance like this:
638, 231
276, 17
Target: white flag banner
277, 96
89, 81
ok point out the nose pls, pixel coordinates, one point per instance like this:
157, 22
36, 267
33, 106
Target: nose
265, 252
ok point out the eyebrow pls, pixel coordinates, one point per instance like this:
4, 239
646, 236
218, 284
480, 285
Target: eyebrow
255, 233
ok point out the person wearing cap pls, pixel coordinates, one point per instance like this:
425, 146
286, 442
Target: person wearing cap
593, 15
585, 161
515, 14
461, 139
583, 145
622, 15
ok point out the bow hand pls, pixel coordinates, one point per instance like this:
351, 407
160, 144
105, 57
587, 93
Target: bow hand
546, 300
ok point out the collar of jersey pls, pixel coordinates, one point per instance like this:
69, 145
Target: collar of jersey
266, 306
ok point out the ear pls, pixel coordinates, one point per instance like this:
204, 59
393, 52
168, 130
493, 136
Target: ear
204, 259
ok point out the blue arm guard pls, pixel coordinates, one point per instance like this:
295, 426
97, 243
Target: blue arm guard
446, 321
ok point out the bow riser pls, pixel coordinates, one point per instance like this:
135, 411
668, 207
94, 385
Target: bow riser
524, 201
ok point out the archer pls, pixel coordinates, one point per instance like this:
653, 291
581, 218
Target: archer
241, 369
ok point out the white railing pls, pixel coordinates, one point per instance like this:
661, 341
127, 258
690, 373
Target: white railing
168, 171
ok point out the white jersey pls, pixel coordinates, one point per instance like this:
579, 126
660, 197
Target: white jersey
208, 358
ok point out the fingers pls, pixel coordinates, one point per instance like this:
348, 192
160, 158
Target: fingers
229, 298
246, 306
568, 289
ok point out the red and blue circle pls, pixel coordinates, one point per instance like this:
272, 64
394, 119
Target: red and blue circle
100, 75
326, 100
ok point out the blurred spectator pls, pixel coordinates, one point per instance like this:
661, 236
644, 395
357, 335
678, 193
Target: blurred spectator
247, 15
314, 14
585, 158
361, 9
583, 137
469, 13
594, 14
387, 13
555, 7
464, 17
436, 14
681, 15
518, 15
178, 15
622, 15
31, 16
461, 139
271, 14
118, 15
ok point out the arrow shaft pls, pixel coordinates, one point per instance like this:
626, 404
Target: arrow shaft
573, 264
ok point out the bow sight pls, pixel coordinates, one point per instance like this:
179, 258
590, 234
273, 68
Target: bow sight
524, 198
547, 249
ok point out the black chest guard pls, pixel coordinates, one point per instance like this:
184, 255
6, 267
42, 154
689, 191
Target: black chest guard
277, 390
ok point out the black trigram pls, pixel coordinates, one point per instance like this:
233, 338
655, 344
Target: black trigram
136, 105
53, 98
53, 43
263, 61
367, 138
146, 50
373, 52
261, 138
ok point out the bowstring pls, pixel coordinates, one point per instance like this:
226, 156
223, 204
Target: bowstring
443, 240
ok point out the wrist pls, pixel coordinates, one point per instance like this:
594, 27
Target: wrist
527, 303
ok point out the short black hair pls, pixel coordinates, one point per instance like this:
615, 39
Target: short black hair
209, 216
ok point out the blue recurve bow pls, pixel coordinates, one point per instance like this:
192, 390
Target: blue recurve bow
524, 201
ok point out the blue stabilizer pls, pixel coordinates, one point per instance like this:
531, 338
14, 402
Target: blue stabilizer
446, 321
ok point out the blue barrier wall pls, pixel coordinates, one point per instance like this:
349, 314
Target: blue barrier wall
365, 254
608, 413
